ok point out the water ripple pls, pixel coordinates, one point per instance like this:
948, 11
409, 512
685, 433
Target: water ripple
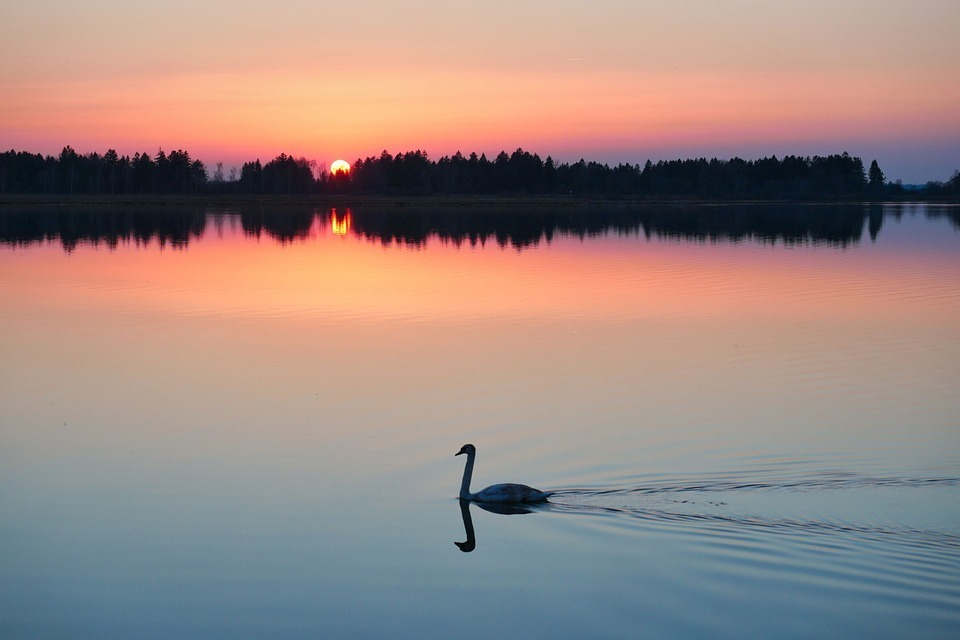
821, 480
712, 503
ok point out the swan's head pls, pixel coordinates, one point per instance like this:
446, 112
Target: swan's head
468, 449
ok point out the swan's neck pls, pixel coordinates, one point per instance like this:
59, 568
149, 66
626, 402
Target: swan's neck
467, 476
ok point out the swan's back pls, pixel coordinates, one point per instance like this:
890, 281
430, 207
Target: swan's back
510, 492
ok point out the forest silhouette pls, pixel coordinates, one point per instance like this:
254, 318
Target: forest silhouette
837, 225
414, 173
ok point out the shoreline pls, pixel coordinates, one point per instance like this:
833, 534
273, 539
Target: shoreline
429, 201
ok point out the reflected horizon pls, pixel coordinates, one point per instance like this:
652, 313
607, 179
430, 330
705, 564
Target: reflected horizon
659, 264
834, 225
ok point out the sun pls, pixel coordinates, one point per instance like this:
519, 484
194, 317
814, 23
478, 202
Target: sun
339, 166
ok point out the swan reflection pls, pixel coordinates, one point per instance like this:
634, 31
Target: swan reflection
470, 543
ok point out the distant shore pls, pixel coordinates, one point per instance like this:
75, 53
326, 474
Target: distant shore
430, 201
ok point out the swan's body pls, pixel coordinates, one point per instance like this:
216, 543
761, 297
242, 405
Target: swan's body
509, 492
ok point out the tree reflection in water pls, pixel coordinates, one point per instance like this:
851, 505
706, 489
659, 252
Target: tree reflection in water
519, 227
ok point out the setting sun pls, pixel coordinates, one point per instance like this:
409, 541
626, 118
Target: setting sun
339, 166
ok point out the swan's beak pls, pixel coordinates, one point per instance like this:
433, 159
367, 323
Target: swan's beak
459, 452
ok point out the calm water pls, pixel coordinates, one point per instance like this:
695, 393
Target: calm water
242, 424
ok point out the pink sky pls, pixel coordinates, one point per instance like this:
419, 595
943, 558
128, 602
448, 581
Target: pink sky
609, 81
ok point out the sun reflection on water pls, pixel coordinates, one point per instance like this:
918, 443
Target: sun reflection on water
340, 223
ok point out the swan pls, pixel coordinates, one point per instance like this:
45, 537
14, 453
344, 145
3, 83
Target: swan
508, 492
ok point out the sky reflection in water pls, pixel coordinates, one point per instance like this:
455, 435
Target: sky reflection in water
250, 430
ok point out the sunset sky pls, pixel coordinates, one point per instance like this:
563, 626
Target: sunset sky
616, 81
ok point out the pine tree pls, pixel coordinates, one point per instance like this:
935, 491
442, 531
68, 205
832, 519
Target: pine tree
877, 179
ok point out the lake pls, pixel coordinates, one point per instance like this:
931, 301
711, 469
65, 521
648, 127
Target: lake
241, 422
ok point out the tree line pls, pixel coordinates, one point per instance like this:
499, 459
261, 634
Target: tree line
522, 172
415, 173
92, 173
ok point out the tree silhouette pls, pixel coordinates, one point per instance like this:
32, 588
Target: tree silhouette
251, 177
877, 178
69, 165
414, 173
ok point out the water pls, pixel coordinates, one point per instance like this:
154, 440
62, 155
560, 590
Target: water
223, 424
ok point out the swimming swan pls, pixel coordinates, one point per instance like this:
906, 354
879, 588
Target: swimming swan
499, 492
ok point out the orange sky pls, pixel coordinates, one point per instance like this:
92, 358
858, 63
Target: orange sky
610, 81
